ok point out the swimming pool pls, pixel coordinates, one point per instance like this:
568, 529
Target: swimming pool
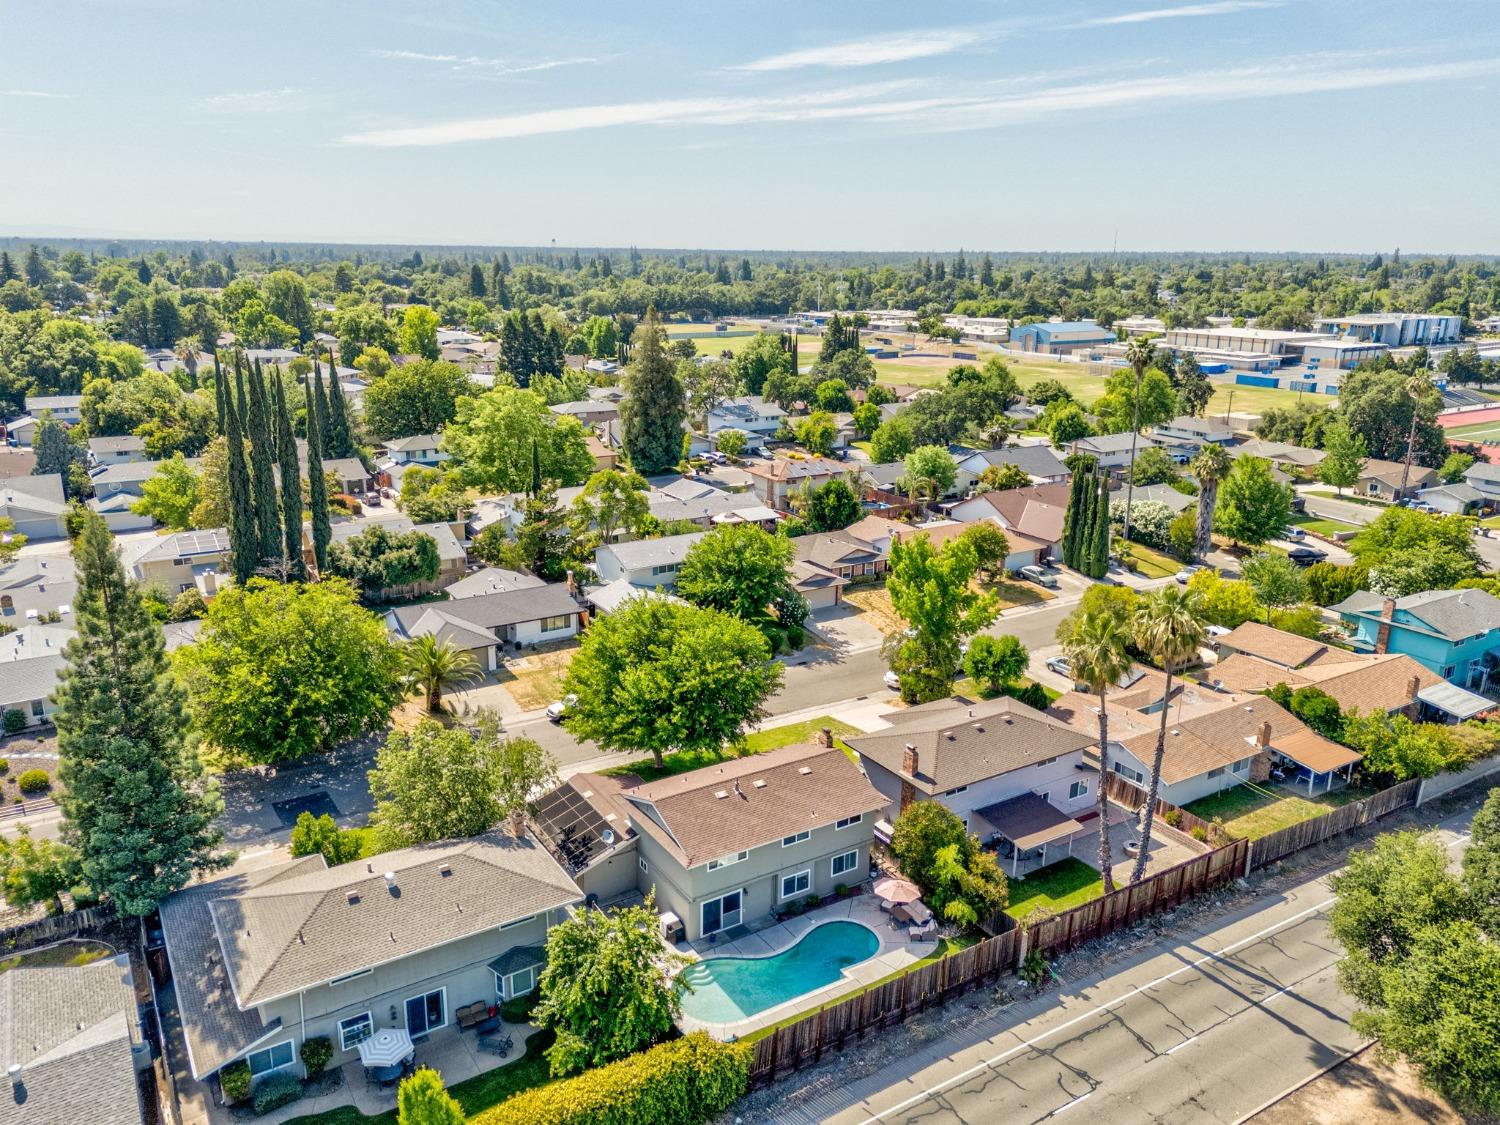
730, 989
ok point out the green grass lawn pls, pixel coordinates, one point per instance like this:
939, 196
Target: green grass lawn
1058, 887
1255, 810
474, 1094
1321, 526
1474, 431
758, 742
1153, 564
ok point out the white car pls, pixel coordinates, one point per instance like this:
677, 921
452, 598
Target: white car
1060, 665
893, 681
1187, 572
1217, 631
559, 710
1295, 534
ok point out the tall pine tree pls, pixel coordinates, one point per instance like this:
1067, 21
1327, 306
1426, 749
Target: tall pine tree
1096, 563
654, 410
338, 440
137, 805
1075, 519
291, 484
262, 475
244, 536
317, 483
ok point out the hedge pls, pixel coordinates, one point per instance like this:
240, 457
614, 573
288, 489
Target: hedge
683, 1082
275, 1092
34, 781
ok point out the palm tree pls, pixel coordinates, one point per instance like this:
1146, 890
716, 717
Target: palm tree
1095, 648
433, 665
1418, 386
1209, 467
1139, 353
1168, 625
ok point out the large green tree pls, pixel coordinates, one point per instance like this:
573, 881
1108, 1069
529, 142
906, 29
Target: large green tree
416, 398
658, 676
1210, 468
655, 408
378, 560
295, 566
279, 671
737, 568
136, 804
933, 591
958, 877
262, 474
1344, 456
1252, 506
1277, 581
930, 472
496, 436
170, 495
317, 483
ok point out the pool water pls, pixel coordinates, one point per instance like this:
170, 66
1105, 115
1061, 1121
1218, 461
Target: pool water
730, 989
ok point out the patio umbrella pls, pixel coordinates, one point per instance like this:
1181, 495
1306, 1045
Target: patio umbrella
386, 1047
896, 890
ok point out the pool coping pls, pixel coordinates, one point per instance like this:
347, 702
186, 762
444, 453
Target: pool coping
894, 953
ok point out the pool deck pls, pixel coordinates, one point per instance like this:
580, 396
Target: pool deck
895, 953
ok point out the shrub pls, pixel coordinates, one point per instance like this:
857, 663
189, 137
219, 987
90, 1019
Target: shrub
518, 1009
1032, 694
14, 721
4, 766
277, 1091
1199, 833
683, 1082
1174, 818
34, 781
234, 1081
316, 1054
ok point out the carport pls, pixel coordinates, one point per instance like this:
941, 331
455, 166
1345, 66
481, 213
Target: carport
1028, 822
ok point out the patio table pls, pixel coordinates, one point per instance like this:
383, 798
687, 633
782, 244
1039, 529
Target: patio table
918, 913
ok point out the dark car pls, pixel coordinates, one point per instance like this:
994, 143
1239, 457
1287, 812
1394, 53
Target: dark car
1306, 556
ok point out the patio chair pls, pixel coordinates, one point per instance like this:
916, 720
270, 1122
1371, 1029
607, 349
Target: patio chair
925, 932
496, 1045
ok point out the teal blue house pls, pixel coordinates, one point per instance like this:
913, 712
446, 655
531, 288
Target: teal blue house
1455, 633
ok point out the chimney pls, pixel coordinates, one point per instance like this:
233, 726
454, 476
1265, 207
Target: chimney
1383, 634
909, 760
1414, 686
1265, 735
572, 584
824, 738
1414, 705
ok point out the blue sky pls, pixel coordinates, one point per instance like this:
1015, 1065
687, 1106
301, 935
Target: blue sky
1339, 125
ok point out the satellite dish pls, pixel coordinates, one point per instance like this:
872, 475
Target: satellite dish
607, 836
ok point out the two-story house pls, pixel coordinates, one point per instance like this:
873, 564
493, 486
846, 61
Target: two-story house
264, 960
1112, 451
485, 624
721, 846
120, 450
1455, 633
179, 561
67, 409
645, 562
773, 481
751, 414
1189, 434
1039, 462
418, 449
1484, 478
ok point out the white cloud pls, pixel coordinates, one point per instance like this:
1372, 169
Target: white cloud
1326, 73
897, 46
1185, 11
250, 101
477, 62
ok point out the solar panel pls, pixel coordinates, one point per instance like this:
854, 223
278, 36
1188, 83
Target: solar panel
572, 827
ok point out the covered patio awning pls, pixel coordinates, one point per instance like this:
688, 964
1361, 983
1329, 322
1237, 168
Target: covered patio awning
1029, 821
1454, 700
1313, 752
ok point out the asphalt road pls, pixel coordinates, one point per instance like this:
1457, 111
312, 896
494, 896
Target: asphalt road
1208, 1025
1330, 507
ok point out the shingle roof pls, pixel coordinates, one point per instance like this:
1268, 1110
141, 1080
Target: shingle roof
1034, 460
1279, 646
959, 743
284, 936
35, 677
70, 1029
1454, 614
481, 614
1037, 511
184, 544
415, 441
1213, 739
1365, 683
746, 802
127, 443
516, 958
493, 580
27, 494
653, 552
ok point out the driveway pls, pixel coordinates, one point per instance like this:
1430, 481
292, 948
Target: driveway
846, 628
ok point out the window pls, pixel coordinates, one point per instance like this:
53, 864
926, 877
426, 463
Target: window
721, 913
788, 841
553, 624
355, 1030
1219, 772
1047, 761
644, 867
520, 983
517, 922
272, 1058
959, 789
846, 862
426, 1013
1078, 789
350, 976
728, 860
1243, 765
1448, 672
795, 884
1126, 772
848, 820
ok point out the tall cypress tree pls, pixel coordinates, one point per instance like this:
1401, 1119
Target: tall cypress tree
1074, 519
291, 484
654, 410
137, 804
317, 484
244, 537
322, 393
218, 396
536, 471
262, 475
1096, 565
338, 441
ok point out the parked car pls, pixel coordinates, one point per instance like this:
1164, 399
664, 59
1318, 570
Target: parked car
1187, 572
893, 681
1039, 576
559, 710
1217, 631
1061, 666
1306, 556
1295, 534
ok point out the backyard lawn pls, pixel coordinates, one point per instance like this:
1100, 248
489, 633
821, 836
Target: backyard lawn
1153, 564
757, 742
1057, 887
1253, 810
1325, 527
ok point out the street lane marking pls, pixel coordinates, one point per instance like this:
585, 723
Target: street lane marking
1180, 1046
1071, 1104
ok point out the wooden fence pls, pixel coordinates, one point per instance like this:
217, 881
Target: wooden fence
55, 927
1132, 796
1309, 833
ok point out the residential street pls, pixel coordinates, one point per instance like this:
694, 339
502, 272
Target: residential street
1208, 1025
1329, 507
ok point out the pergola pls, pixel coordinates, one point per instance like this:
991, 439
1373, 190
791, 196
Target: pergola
1030, 821
1318, 756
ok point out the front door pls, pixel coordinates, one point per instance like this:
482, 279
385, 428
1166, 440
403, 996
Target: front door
721, 913
423, 1013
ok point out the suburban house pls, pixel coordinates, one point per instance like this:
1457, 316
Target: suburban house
1032, 518
1455, 633
264, 960
485, 624
118, 513
127, 478
996, 764
588, 411
645, 562
1059, 337
1190, 435
419, 449
1214, 740
493, 580
1484, 478
30, 659
1039, 462
1459, 499
721, 846
181, 560
1112, 451
116, 450
1383, 479
773, 480
74, 1044
1178, 502
37, 586
863, 549
604, 456
67, 409
1293, 460
753, 415
453, 560
706, 505
35, 505
820, 588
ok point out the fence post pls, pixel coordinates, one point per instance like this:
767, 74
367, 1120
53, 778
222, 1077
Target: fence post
1249, 858
1021, 943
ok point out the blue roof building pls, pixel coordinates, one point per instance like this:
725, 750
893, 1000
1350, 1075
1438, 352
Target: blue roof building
1059, 337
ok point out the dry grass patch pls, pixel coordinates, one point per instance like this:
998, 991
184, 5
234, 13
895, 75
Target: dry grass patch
535, 680
875, 603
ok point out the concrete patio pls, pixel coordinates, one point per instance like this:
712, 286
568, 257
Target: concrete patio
1169, 847
896, 952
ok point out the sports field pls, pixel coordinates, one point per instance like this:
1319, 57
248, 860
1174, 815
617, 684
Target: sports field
1475, 425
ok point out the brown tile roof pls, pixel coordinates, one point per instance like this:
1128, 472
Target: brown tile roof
1308, 748
1036, 511
1365, 683
798, 468
959, 743
1280, 647
1390, 472
1213, 739
832, 549
746, 802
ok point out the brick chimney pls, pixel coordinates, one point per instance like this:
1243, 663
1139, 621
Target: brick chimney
1383, 634
1264, 740
1260, 764
1413, 704
908, 767
824, 738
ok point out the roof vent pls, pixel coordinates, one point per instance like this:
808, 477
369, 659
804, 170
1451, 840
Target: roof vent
759, 783
444, 870
720, 794
390, 881
948, 734
1175, 732
353, 897
607, 837
587, 793
805, 770
979, 727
